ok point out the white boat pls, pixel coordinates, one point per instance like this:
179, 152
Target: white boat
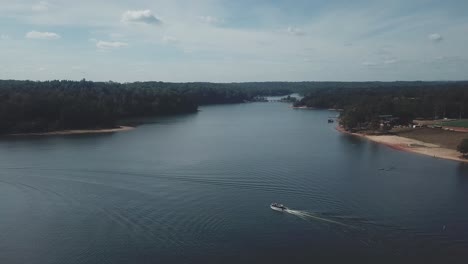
278, 207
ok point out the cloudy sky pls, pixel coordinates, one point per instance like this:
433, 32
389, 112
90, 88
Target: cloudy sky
226, 40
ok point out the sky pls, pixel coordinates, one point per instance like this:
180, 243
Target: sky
234, 40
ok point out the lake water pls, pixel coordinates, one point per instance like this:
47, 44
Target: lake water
197, 189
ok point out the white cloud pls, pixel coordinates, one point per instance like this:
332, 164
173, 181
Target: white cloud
140, 17
169, 39
108, 45
266, 40
390, 61
295, 31
380, 63
116, 35
4, 37
42, 35
369, 63
435, 37
210, 19
42, 6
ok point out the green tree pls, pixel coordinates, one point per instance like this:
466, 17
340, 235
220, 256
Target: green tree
463, 147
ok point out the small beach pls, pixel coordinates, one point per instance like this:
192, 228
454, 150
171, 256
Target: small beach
412, 145
77, 131
302, 107
416, 146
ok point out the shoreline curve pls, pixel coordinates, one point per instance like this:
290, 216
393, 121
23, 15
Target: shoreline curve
411, 145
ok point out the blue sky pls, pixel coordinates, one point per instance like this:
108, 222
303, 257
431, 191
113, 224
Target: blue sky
226, 41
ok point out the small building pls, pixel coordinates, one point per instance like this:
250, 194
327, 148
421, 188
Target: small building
387, 121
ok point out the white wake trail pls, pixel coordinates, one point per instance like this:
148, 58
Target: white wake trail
310, 216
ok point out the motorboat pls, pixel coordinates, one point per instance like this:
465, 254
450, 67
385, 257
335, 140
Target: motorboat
278, 207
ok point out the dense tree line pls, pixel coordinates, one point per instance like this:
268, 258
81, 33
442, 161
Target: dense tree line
404, 100
27, 106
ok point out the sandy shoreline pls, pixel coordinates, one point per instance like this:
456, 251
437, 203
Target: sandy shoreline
302, 107
412, 145
77, 131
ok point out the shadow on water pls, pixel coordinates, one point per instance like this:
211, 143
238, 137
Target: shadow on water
160, 120
49, 142
462, 170
350, 141
352, 146
462, 173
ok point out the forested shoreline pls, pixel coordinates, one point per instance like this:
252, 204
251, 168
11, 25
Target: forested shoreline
27, 106
363, 107
44, 106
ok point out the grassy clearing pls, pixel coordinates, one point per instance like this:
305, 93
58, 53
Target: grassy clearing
446, 139
456, 123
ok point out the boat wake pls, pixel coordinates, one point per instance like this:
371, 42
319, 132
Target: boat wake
311, 216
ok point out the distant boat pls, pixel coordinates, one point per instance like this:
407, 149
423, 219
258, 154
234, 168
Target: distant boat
278, 207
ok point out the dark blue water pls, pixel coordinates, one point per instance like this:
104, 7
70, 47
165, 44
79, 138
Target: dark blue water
197, 189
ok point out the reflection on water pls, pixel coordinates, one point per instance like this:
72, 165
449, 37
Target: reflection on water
350, 141
462, 169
